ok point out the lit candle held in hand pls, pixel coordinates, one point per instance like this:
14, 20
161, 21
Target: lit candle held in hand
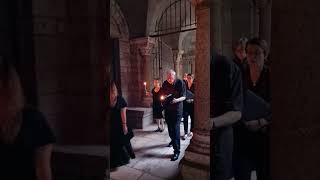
145, 86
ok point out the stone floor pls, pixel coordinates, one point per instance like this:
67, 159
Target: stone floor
152, 157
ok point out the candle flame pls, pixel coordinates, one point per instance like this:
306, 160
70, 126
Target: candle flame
161, 97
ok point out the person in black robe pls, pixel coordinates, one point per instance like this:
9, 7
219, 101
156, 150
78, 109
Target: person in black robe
157, 106
120, 147
26, 139
188, 107
251, 143
175, 91
226, 100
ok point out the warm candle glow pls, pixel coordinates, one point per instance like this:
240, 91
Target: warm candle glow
161, 97
145, 83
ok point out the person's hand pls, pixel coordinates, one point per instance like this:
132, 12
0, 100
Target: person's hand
263, 122
174, 101
125, 129
253, 125
148, 93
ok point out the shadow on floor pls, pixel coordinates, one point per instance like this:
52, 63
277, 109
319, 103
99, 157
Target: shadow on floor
141, 132
150, 147
156, 155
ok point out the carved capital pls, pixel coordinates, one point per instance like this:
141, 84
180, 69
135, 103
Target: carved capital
144, 45
145, 51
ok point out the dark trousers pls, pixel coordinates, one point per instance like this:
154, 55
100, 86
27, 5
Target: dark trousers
188, 110
221, 154
173, 119
250, 153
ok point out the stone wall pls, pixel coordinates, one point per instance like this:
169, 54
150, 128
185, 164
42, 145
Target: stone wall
125, 67
69, 40
135, 76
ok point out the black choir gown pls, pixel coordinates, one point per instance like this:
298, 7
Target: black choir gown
119, 154
156, 105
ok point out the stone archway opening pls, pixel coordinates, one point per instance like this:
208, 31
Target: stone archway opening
171, 28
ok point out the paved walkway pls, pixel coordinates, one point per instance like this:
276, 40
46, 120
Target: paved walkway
152, 157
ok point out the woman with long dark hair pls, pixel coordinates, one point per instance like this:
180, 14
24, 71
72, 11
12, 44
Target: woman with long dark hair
120, 148
25, 138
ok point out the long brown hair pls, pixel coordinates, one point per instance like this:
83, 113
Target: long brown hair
113, 94
11, 93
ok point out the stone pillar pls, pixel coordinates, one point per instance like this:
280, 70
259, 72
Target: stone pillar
196, 161
145, 51
295, 130
175, 61
180, 63
144, 46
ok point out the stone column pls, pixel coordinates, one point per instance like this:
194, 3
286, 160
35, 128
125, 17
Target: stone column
180, 71
196, 161
175, 61
145, 51
144, 46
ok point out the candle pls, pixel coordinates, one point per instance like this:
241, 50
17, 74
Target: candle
145, 86
161, 98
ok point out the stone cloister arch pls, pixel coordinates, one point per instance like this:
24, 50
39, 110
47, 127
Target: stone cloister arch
176, 19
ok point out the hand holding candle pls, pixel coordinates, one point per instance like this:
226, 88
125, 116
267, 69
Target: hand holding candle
145, 86
166, 99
